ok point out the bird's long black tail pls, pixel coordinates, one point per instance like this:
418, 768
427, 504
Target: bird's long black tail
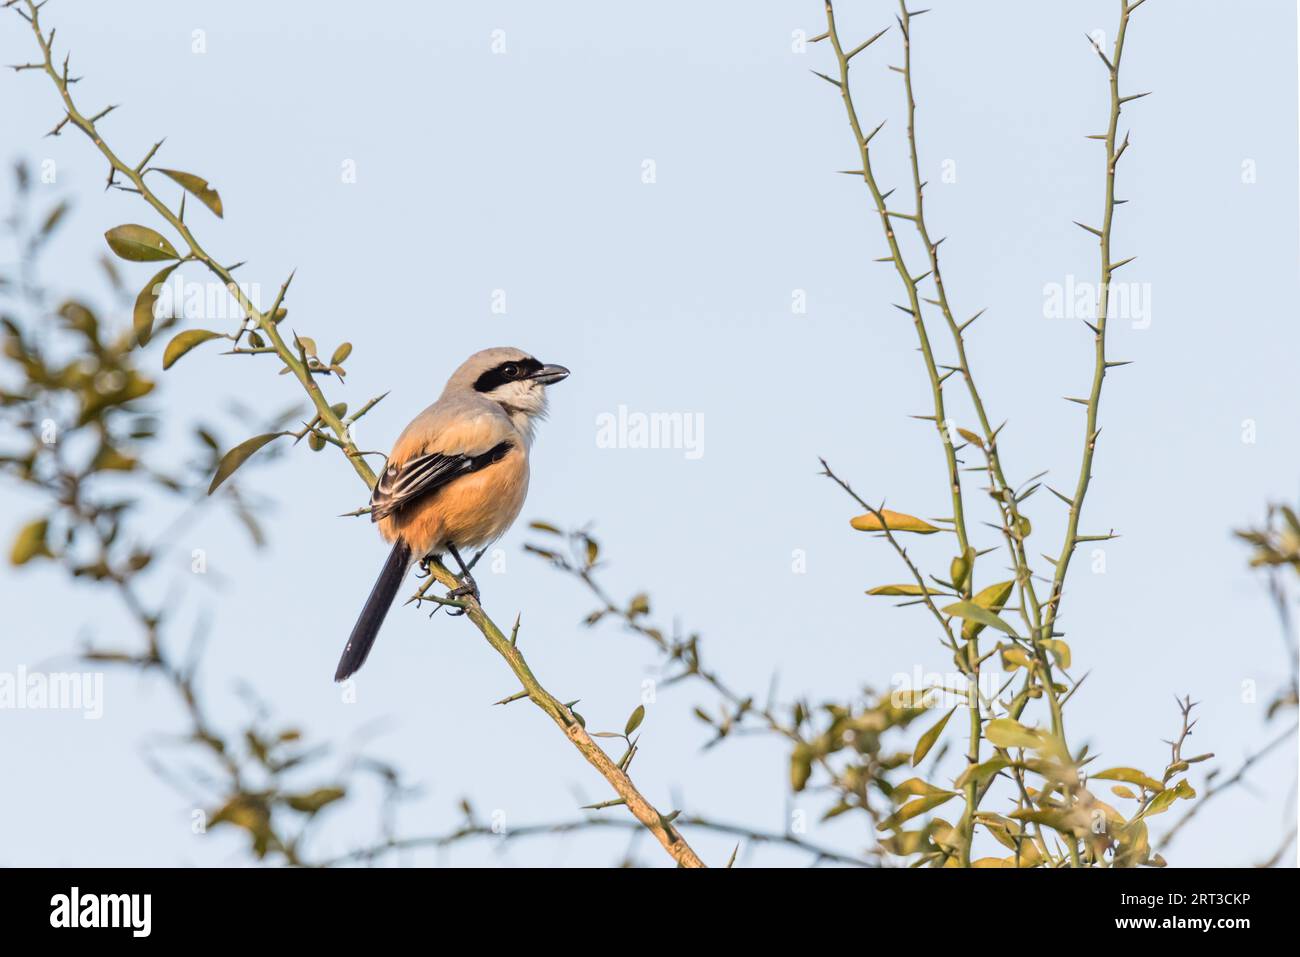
366, 629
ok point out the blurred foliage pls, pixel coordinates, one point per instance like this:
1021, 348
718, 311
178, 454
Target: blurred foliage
81, 427
1276, 553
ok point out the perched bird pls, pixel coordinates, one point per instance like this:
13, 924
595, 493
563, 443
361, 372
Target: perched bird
456, 478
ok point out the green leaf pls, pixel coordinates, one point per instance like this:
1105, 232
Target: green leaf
1009, 733
929, 738
979, 773
54, 217
959, 568
635, 720
140, 244
894, 521
992, 599
146, 302
341, 353
974, 614
30, 542
238, 456
1161, 801
916, 787
183, 342
1129, 776
198, 187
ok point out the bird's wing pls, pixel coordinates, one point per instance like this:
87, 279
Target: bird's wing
399, 485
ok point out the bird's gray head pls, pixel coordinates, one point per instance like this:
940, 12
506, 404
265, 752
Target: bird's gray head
510, 377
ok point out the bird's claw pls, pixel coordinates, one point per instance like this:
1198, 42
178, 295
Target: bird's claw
467, 588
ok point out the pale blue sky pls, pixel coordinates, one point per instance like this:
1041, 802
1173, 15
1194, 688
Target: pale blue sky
523, 172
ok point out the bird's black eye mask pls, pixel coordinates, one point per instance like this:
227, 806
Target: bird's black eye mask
511, 371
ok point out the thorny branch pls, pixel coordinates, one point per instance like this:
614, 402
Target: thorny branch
854, 730
1039, 616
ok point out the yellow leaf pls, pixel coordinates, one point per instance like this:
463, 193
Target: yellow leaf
1013, 657
1030, 856
894, 521
916, 787
915, 590
1054, 817
197, 186
913, 698
1059, 649
1004, 831
30, 542
1009, 733
1135, 845
1130, 776
916, 807
312, 802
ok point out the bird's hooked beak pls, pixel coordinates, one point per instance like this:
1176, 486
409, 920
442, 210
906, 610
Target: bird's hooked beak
550, 374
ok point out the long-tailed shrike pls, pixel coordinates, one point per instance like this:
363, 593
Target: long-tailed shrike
456, 478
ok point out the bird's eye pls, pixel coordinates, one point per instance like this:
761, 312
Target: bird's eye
510, 370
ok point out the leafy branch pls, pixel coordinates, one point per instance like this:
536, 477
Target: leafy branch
79, 417
142, 244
